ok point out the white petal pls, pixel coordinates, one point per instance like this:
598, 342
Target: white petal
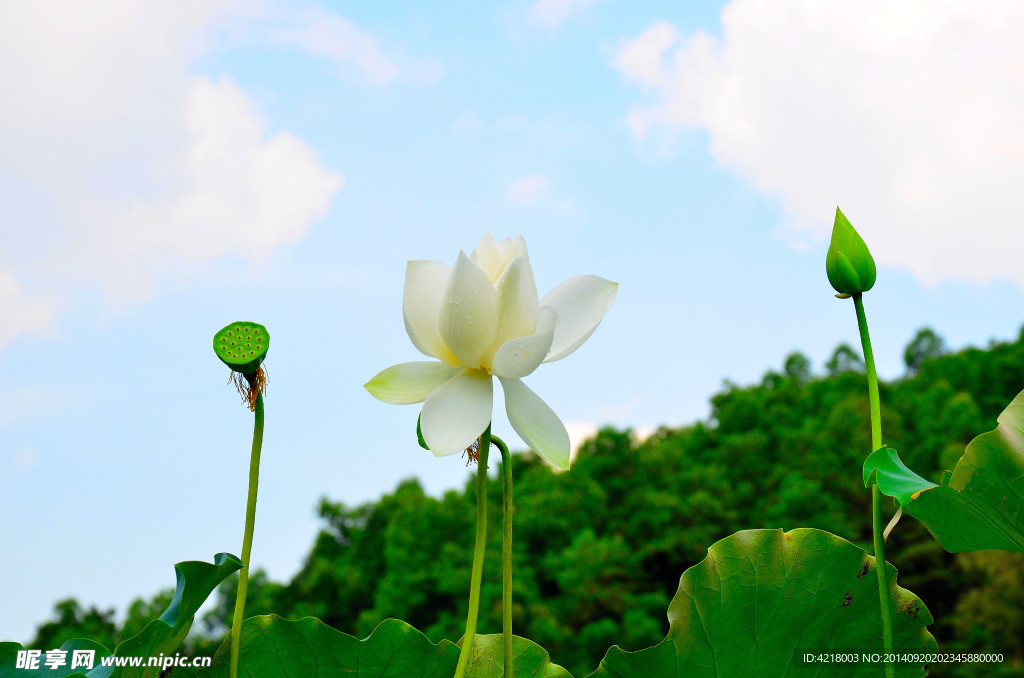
494, 257
457, 412
488, 239
517, 303
580, 303
518, 245
425, 282
510, 249
409, 383
486, 254
536, 423
469, 312
520, 357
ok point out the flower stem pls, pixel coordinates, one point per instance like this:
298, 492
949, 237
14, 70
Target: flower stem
478, 555
250, 523
877, 518
506, 554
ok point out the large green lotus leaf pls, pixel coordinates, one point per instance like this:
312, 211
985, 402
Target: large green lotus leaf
529, 660
762, 598
164, 635
980, 505
308, 648
273, 647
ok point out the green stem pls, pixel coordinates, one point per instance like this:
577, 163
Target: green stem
877, 518
869, 363
250, 523
506, 554
478, 555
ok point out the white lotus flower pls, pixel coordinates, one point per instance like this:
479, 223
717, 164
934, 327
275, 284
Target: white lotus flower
482, 319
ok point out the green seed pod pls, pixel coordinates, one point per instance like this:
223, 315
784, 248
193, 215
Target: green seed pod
849, 265
242, 346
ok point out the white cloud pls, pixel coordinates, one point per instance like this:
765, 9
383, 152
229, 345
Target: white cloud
237, 193
21, 314
569, 208
19, 404
620, 410
246, 193
535, 191
350, 48
86, 94
579, 432
906, 114
553, 13
121, 166
25, 458
468, 123
338, 39
526, 191
644, 432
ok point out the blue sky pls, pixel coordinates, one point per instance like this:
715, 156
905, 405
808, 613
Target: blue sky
168, 169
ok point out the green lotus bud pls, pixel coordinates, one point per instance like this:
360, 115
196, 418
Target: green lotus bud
849, 265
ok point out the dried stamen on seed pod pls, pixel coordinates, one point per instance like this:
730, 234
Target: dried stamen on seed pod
473, 453
249, 386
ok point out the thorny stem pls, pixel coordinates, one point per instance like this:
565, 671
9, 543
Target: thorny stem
478, 555
877, 517
250, 523
506, 554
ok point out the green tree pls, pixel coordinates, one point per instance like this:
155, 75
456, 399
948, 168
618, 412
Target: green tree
142, 611
925, 345
844, 359
797, 366
71, 620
